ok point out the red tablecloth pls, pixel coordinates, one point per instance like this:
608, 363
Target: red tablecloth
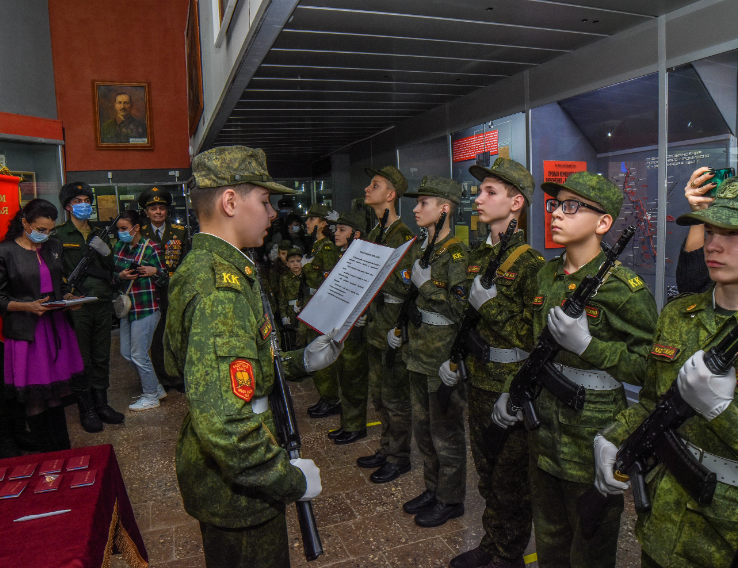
101, 521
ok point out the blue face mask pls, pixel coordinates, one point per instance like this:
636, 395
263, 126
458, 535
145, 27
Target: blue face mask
37, 237
82, 211
125, 236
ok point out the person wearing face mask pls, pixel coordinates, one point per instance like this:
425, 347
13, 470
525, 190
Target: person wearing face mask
93, 321
41, 352
141, 274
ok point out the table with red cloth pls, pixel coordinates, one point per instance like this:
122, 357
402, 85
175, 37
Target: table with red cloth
100, 523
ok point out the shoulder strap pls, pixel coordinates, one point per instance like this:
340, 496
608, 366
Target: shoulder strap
510, 260
445, 247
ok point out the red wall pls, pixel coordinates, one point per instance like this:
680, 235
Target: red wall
138, 41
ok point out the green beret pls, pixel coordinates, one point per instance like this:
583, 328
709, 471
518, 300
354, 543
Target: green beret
234, 165
722, 212
509, 171
392, 174
436, 186
590, 186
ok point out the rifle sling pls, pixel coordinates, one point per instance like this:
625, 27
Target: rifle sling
510, 260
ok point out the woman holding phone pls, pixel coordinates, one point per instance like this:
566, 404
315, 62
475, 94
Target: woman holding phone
140, 272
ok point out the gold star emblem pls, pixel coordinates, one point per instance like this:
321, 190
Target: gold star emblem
248, 270
572, 286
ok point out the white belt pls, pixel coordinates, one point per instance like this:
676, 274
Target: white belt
507, 355
593, 380
726, 470
292, 302
260, 405
390, 299
432, 318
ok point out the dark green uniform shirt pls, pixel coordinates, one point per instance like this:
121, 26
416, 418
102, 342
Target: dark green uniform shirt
325, 256
98, 280
507, 319
382, 319
677, 531
622, 317
289, 293
174, 243
231, 470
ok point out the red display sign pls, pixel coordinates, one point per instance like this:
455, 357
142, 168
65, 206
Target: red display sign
557, 171
468, 148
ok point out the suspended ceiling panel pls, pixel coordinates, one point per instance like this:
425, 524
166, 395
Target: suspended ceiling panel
343, 70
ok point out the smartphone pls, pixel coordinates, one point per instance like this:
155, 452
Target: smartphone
720, 175
134, 266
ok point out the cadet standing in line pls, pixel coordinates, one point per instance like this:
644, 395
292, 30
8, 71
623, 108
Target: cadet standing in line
174, 243
500, 343
277, 269
389, 388
677, 531
605, 347
441, 301
350, 368
92, 321
289, 296
317, 265
233, 475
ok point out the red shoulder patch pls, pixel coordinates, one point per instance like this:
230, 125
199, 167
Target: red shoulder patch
592, 312
665, 351
242, 379
473, 269
538, 300
266, 328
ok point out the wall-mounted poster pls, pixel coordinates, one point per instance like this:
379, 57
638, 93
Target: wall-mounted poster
122, 116
194, 67
557, 171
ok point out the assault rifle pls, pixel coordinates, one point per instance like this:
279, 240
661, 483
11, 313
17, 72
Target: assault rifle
538, 371
80, 271
656, 441
412, 296
286, 425
460, 348
379, 300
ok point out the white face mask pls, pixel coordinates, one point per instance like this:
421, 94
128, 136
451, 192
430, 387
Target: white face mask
295, 229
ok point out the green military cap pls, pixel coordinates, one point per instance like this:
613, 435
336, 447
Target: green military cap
354, 219
234, 165
322, 211
392, 174
437, 186
155, 196
284, 245
294, 252
722, 212
590, 186
509, 171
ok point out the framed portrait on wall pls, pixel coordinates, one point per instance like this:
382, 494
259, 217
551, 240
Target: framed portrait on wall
194, 67
122, 116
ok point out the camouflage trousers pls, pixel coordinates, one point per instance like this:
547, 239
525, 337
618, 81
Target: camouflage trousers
440, 438
390, 393
261, 546
503, 482
326, 380
559, 541
353, 376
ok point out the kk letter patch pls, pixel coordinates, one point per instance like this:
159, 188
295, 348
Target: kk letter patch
242, 379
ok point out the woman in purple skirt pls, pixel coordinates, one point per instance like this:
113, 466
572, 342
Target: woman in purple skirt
41, 352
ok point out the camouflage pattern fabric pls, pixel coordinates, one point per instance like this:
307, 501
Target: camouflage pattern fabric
289, 291
507, 320
590, 186
509, 171
318, 210
677, 531
722, 212
437, 186
325, 257
232, 473
353, 377
262, 546
233, 165
326, 380
440, 439
276, 271
393, 175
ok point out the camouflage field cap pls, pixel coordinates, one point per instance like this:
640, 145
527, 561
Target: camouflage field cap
294, 252
155, 196
510, 171
354, 219
590, 186
722, 213
437, 186
285, 245
234, 165
394, 175
322, 211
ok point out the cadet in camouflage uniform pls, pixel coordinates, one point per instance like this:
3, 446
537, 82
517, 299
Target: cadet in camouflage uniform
290, 301
441, 301
389, 388
498, 346
233, 475
175, 243
677, 531
317, 265
277, 269
610, 343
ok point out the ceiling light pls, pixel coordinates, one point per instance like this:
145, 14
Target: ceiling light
584, 20
609, 133
489, 9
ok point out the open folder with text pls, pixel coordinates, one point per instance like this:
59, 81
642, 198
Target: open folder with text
351, 286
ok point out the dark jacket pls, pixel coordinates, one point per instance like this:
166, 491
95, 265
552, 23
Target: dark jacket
692, 276
20, 281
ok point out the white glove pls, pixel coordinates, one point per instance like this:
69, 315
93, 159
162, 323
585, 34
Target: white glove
449, 377
571, 333
305, 260
285, 321
605, 453
322, 352
420, 275
478, 295
361, 322
312, 476
296, 307
99, 246
500, 415
708, 394
394, 341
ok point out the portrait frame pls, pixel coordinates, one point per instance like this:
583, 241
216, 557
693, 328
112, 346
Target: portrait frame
193, 61
110, 137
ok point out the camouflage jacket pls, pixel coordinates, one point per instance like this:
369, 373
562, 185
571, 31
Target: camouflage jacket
231, 470
271, 282
621, 317
677, 531
446, 293
289, 291
382, 319
507, 321
174, 242
325, 256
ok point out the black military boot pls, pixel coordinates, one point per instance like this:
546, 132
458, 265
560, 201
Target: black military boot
474, 558
87, 415
422, 502
372, 462
105, 412
58, 428
335, 434
350, 437
388, 472
439, 514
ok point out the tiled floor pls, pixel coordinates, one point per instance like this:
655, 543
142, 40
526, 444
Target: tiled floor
361, 524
